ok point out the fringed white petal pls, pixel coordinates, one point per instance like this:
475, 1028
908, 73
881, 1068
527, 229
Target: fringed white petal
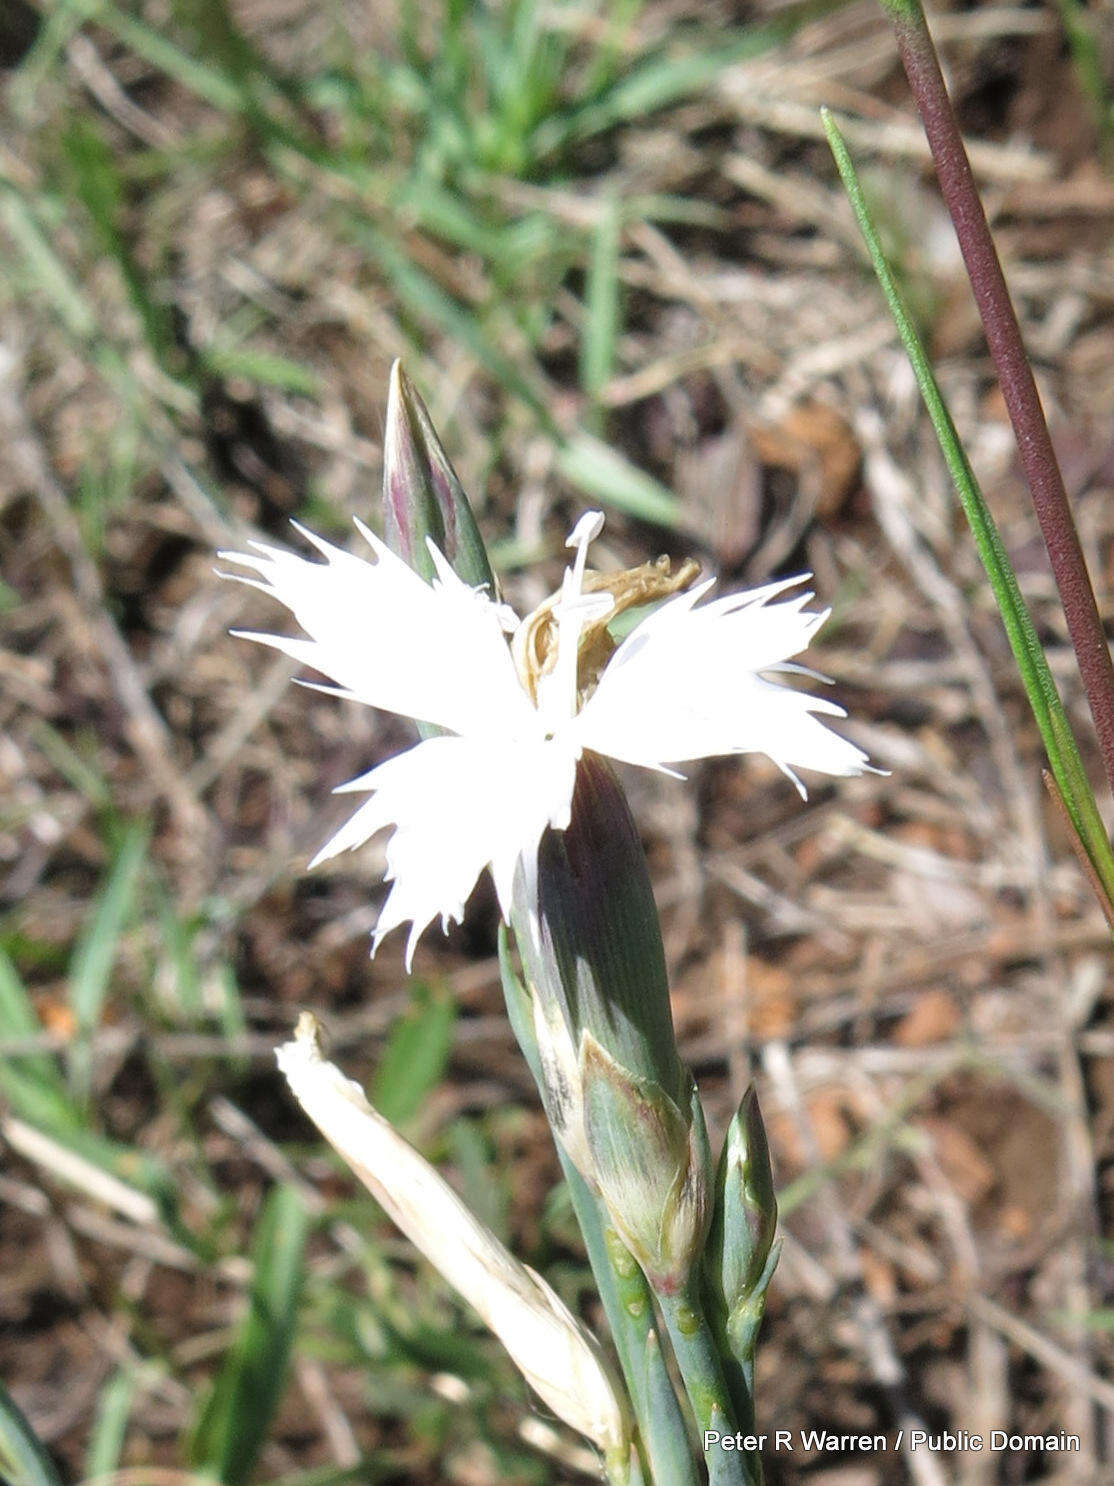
457, 805
435, 652
685, 684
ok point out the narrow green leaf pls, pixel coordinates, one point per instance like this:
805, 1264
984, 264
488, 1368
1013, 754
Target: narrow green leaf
23, 1460
601, 301
106, 1441
74, 769
43, 266
1044, 699
479, 1178
209, 84
603, 474
267, 368
91, 965
241, 1408
416, 1055
96, 180
659, 81
422, 297
32, 1082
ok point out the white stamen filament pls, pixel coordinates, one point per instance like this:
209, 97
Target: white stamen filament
571, 613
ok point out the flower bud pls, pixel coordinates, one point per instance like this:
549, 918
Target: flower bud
615, 1089
589, 937
560, 1360
422, 497
651, 1164
741, 1254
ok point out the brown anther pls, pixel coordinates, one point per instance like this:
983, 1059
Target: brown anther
534, 646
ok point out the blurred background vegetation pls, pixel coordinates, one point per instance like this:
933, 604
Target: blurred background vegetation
610, 245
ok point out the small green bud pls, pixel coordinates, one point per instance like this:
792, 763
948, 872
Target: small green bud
741, 1255
651, 1164
422, 496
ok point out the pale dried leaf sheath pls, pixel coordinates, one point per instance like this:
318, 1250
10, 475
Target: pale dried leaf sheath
560, 1360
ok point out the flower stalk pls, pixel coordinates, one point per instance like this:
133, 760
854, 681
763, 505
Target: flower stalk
625, 1296
1072, 787
701, 1367
1015, 374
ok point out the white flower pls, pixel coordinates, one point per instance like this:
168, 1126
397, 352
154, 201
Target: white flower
686, 683
560, 1360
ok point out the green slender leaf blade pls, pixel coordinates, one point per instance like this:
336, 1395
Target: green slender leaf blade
241, 1408
93, 957
417, 1052
601, 302
660, 81
45, 269
37, 1100
267, 368
422, 297
23, 1459
97, 181
603, 474
1040, 687
32, 1084
199, 77
18, 1017
106, 1441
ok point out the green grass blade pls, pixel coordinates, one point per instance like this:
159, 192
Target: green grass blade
31, 1083
206, 81
421, 297
241, 1408
416, 1055
266, 368
1044, 699
660, 81
106, 1441
601, 302
18, 1018
603, 474
43, 266
91, 965
23, 1460
96, 181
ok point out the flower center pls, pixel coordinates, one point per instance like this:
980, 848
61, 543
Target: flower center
561, 648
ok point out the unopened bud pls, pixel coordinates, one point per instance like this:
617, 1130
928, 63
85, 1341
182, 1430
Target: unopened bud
651, 1164
560, 1360
589, 935
423, 499
741, 1254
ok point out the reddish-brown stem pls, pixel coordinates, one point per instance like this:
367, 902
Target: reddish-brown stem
1015, 375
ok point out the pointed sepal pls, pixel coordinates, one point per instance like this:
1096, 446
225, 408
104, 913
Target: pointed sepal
423, 499
651, 1165
741, 1254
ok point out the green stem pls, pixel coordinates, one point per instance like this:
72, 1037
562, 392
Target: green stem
624, 1293
1059, 741
698, 1358
1015, 374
